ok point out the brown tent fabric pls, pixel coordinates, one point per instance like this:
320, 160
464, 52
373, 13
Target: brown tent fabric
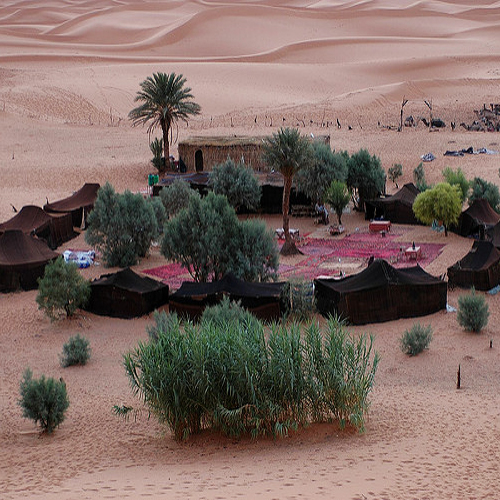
397, 208
125, 294
477, 219
55, 229
22, 260
261, 299
79, 204
381, 293
480, 268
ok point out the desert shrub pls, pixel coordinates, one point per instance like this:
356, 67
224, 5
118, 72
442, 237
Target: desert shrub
62, 289
163, 322
228, 311
416, 339
481, 188
176, 196
159, 211
473, 312
121, 226
324, 168
220, 376
208, 239
298, 299
158, 160
338, 196
419, 178
365, 177
238, 183
395, 172
75, 352
43, 400
457, 178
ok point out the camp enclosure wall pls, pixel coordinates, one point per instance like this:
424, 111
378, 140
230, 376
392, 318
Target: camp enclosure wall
381, 293
125, 294
203, 153
480, 268
261, 299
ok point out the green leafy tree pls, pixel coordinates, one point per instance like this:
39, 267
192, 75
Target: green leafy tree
473, 311
238, 183
325, 167
442, 203
395, 172
287, 151
338, 196
457, 178
121, 226
365, 177
419, 178
62, 289
481, 188
165, 100
43, 400
176, 196
208, 239
159, 212
156, 147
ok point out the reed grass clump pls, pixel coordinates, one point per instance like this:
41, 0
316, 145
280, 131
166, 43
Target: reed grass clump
245, 379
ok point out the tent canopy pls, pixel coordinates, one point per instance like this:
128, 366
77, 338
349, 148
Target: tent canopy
262, 299
477, 218
480, 268
381, 293
22, 260
55, 229
397, 208
79, 204
125, 294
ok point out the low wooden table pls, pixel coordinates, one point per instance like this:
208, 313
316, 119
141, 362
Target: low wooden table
413, 253
294, 233
377, 226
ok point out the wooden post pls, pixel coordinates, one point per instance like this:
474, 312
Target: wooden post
491, 344
403, 104
429, 105
458, 377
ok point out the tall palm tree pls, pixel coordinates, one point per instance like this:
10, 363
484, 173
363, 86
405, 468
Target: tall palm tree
165, 100
287, 151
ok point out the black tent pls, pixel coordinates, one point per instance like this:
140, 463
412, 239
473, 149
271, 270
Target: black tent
22, 260
196, 180
261, 299
381, 293
54, 228
79, 204
397, 208
480, 268
125, 294
477, 219
493, 235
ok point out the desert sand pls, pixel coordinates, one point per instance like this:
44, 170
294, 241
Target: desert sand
69, 72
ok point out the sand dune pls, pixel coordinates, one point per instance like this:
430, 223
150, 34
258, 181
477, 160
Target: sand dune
69, 72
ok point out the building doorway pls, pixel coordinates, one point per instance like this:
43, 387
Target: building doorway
198, 160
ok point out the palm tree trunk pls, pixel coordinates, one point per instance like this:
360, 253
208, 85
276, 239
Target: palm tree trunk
289, 247
166, 145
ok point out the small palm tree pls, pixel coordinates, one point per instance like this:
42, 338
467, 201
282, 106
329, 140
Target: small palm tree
287, 151
165, 100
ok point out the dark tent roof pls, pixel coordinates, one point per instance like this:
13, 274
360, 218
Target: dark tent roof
79, 203
262, 299
55, 229
493, 234
381, 293
397, 208
125, 294
477, 217
22, 260
480, 268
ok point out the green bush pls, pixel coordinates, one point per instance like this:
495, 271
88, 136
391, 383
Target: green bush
481, 188
416, 339
473, 312
395, 172
43, 400
298, 299
62, 289
176, 196
228, 311
75, 352
156, 147
419, 178
457, 178
238, 183
220, 376
121, 226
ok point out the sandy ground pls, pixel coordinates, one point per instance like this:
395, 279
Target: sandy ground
68, 74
